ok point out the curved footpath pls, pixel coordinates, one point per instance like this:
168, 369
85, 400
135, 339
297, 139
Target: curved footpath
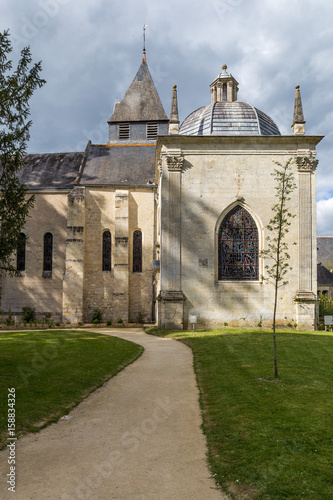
136, 438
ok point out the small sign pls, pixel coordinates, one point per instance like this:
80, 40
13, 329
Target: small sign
328, 320
156, 264
192, 318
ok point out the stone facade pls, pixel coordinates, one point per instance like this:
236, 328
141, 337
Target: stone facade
201, 179
172, 186
31, 288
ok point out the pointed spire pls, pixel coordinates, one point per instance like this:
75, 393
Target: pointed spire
174, 119
141, 102
298, 126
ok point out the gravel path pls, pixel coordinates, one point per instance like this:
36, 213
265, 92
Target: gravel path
137, 437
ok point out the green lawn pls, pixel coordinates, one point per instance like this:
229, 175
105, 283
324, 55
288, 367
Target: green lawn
52, 371
267, 439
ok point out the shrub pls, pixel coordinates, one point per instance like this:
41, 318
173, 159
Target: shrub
29, 314
9, 320
119, 320
325, 306
108, 322
96, 314
140, 318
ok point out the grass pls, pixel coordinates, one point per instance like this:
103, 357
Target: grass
52, 371
267, 439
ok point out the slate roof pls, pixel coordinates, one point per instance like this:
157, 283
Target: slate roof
119, 165
228, 118
141, 102
324, 276
51, 170
325, 250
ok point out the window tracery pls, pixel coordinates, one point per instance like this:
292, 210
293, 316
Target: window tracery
238, 247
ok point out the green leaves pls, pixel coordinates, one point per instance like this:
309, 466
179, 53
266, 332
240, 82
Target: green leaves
278, 226
15, 91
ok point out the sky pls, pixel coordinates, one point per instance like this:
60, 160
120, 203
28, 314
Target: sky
91, 50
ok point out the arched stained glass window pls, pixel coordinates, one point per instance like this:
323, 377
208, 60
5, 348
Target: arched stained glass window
20, 255
137, 252
48, 251
106, 251
238, 247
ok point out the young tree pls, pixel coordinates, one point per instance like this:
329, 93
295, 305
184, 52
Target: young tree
16, 88
278, 227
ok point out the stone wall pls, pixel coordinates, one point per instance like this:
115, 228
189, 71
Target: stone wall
31, 288
216, 175
120, 293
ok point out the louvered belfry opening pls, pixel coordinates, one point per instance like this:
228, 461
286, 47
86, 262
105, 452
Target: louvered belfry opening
152, 130
124, 131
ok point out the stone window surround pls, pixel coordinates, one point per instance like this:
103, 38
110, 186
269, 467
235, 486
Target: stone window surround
260, 227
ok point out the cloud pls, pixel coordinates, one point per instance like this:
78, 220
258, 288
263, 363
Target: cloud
91, 51
325, 217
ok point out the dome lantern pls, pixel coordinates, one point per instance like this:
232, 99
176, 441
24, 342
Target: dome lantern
224, 88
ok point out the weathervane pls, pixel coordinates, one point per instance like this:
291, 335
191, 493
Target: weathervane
144, 43
144, 37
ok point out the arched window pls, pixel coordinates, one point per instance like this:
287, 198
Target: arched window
20, 254
137, 252
238, 247
224, 93
106, 251
48, 251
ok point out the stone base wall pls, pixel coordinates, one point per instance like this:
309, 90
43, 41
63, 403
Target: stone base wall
171, 310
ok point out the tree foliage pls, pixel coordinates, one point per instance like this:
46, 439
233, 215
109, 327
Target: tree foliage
278, 227
16, 89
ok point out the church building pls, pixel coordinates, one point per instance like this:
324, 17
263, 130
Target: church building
166, 221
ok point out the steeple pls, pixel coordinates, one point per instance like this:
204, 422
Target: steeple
174, 119
224, 88
140, 116
298, 126
141, 102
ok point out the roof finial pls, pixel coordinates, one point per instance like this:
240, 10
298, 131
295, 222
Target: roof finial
298, 126
174, 119
144, 43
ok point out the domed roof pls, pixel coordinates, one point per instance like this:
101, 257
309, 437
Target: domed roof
228, 118
226, 115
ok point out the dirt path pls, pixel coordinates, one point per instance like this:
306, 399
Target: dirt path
138, 437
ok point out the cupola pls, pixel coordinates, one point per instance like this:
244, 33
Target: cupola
224, 88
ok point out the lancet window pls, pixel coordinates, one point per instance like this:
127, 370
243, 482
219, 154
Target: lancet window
238, 247
106, 251
20, 254
137, 251
48, 252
